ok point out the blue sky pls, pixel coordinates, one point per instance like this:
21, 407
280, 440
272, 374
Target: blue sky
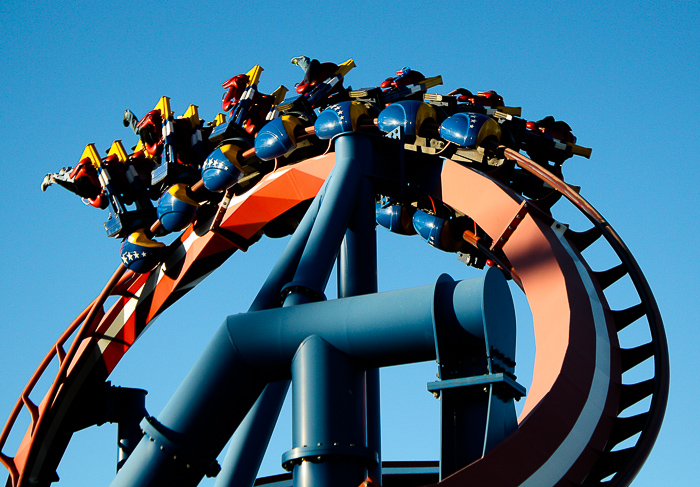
622, 74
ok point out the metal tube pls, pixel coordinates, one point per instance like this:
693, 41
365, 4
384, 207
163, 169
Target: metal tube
251, 438
287, 264
348, 188
329, 425
378, 330
250, 441
196, 422
319, 255
253, 348
248, 437
357, 275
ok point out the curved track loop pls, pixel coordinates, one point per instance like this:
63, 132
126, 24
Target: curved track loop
575, 346
572, 419
103, 340
622, 465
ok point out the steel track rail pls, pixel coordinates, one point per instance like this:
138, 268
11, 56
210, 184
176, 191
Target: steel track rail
146, 295
619, 467
615, 467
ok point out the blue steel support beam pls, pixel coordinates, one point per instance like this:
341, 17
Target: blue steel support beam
377, 330
348, 197
476, 418
286, 266
337, 206
180, 447
285, 270
357, 275
250, 440
329, 423
252, 349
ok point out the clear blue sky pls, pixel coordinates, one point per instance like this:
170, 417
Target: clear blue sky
622, 74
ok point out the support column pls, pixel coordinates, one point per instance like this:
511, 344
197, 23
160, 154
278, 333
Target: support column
250, 441
357, 275
307, 261
352, 151
180, 447
329, 424
348, 189
131, 407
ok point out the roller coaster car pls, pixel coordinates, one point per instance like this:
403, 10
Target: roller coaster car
121, 225
484, 98
185, 152
405, 76
142, 165
235, 86
549, 140
85, 181
150, 132
134, 187
81, 180
262, 104
555, 128
186, 158
119, 182
315, 72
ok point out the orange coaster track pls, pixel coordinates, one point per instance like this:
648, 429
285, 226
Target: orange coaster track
574, 414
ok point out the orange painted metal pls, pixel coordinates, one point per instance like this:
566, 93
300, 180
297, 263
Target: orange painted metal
145, 296
87, 317
565, 337
661, 378
574, 329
